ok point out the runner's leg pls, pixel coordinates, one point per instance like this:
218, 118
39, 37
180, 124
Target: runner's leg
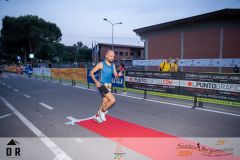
105, 100
110, 102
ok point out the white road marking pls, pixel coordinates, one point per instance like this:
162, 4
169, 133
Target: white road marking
65, 84
16, 90
74, 120
128, 96
9, 86
209, 110
169, 103
174, 104
46, 106
184, 106
86, 88
54, 82
60, 154
6, 115
26, 95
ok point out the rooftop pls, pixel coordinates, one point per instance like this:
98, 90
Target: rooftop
226, 13
120, 45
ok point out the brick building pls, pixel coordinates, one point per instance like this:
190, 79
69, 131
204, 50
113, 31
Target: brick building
123, 53
210, 35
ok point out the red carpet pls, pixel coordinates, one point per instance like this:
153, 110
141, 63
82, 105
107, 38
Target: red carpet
114, 127
151, 143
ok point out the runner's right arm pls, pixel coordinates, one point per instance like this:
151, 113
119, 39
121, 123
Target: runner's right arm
95, 69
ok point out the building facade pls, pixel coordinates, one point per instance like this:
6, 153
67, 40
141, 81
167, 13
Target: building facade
123, 53
206, 36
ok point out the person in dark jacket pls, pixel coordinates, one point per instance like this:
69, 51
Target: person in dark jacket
236, 69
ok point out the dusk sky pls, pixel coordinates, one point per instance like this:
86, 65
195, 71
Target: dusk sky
83, 20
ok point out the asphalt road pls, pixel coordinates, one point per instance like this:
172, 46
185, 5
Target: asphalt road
44, 106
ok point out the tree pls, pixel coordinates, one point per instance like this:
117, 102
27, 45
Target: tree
76, 53
57, 52
84, 54
26, 34
70, 54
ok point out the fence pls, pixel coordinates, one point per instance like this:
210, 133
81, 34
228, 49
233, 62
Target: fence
203, 87
14, 69
210, 87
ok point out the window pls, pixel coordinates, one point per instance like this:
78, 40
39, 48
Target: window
121, 53
116, 53
126, 53
132, 53
139, 54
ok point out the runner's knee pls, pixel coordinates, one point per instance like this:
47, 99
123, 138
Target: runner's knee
113, 100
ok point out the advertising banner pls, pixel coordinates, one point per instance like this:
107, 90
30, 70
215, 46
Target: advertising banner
42, 71
78, 74
116, 82
14, 69
211, 85
152, 81
204, 85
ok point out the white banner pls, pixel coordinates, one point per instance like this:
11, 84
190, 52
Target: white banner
42, 71
226, 62
168, 82
211, 85
186, 83
37, 71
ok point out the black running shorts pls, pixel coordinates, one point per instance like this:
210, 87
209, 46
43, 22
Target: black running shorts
103, 89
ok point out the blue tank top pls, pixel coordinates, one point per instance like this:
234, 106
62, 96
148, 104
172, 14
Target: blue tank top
106, 73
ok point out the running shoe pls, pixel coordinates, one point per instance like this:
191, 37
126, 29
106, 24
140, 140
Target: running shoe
97, 118
102, 115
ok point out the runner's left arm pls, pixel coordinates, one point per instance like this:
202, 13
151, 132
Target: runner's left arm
117, 75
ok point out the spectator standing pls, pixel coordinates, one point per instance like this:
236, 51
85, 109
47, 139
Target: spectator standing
174, 65
29, 70
121, 68
236, 69
165, 66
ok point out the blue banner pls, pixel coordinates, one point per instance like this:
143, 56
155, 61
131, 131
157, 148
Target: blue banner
116, 82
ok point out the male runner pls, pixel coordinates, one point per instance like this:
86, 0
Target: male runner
104, 84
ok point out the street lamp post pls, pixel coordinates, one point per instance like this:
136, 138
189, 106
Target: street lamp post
105, 19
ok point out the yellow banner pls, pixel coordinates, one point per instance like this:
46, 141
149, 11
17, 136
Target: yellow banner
15, 69
78, 74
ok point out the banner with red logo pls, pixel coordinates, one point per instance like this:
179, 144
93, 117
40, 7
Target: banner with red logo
204, 85
152, 81
211, 85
